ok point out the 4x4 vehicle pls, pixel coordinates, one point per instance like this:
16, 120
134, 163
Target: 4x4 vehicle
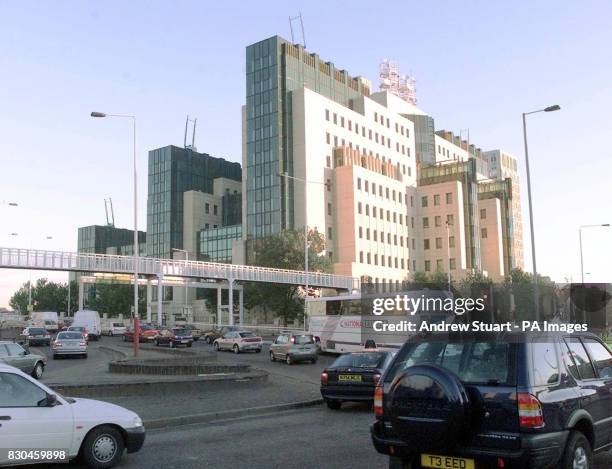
294, 347
506, 400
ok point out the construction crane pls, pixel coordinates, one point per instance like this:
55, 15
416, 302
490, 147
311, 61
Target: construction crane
193, 132
110, 222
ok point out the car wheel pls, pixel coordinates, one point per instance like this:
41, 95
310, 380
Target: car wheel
333, 405
190, 344
578, 453
272, 357
236, 349
289, 360
103, 447
208, 340
258, 350
37, 372
195, 339
217, 346
84, 355
314, 361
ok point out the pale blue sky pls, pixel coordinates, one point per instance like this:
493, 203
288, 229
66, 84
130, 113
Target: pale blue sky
479, 64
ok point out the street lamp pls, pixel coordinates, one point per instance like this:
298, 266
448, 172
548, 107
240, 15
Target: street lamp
580, 238
306, 182
136, 251
10, 204
555, 107
186, 285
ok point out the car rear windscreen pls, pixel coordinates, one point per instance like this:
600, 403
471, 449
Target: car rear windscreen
473, 362
69, 336
246, 334
361, 360
303, 339
37, 331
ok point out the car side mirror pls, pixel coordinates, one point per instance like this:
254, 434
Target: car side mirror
51, 400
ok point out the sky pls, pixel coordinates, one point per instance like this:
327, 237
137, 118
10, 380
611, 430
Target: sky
478, 65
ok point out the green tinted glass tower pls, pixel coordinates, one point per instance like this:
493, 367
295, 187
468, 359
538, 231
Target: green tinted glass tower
274, 69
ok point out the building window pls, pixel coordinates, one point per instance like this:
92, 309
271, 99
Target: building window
359, 183
452, 263
327, 138
328, 185
367, 233
426, 244
369, 258
329, 209
215, 208
207, 208
330, 255
326, 114
328, 161
382, 260
451, 241
437, 199
335, 118
483, 213
341, 121
483, 233
374, 211
427, 266
424, 201
359, 207
375, 259
360, 232
375, 233
450, 219
437, 221
367, 186
438, 243
367, 209
425, 222
439, 266
329, 233
449, 198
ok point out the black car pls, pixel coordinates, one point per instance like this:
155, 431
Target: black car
35, 336
353, 376
174, 338
509, 400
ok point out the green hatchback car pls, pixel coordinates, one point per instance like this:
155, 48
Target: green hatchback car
15, 355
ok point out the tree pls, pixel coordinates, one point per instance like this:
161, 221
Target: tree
285, 251
117, 298
46, 296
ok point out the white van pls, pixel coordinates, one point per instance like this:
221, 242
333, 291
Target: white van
90, 320
46, 319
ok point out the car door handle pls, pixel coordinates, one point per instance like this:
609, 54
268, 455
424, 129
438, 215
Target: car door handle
5, 417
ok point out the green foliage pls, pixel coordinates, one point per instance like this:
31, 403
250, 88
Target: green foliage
117, 298
285, 251
46, 296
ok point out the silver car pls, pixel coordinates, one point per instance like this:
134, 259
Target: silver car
293, 347
15, 355
69, 343
239, 341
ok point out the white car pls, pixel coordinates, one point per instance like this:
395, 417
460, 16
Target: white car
239, 341
33, 416
116, 328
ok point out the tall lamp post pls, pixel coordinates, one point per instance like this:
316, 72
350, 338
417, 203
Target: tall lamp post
186, 285
536, 295
306, 182
580, 237
136, 250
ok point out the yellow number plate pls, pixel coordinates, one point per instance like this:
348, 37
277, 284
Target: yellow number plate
446, 462
352, 378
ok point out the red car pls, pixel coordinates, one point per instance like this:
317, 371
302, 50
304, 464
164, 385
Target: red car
148, 333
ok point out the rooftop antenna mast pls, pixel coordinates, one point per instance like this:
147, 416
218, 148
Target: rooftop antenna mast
193, 132
106, 211
291, 20
112, 211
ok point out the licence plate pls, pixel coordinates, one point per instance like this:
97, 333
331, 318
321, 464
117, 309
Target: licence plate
446, 462
350, 378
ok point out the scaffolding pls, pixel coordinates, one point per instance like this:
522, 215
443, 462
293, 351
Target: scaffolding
403, 86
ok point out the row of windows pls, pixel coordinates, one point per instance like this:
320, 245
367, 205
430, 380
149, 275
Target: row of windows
452, 264
403, 149
384, 261
438, 242
380, 213
389, 194
207, 208
450, 221
436, 199
446, 152
380, 235
378, 118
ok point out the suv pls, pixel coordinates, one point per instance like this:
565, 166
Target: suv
504, 400
294, 347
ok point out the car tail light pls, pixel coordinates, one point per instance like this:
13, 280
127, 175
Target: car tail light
56, 345
378, 401
82, 344
293, 339
376, 378
530, 411
324, 377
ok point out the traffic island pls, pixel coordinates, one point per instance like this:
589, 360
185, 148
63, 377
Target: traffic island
157, 374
